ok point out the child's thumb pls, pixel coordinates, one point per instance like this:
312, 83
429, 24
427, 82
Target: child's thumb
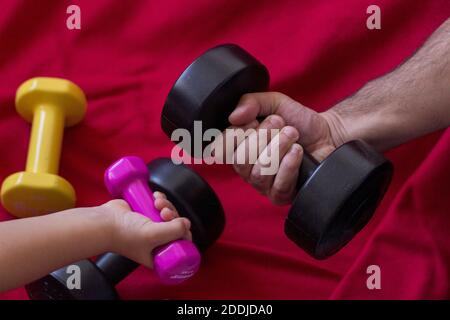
175, 229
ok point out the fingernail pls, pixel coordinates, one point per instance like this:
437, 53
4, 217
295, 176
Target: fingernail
295, 149
275, 121
291, 132
172, 214
254, 124
236, 111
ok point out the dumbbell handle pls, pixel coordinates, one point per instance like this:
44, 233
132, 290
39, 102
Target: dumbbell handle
115, 267
140, 198
173, 262
46, 139
308, 166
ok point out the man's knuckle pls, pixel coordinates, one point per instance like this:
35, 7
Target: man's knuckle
278, 190
255, 176
291, 164
274, 122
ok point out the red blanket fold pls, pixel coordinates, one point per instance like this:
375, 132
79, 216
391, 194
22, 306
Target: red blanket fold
126, 57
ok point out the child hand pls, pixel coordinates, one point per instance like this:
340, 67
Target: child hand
136, 236
45, 243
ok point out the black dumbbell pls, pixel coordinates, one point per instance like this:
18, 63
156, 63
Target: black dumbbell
336, 197
193, 198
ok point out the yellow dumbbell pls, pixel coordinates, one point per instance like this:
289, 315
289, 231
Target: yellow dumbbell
50, 104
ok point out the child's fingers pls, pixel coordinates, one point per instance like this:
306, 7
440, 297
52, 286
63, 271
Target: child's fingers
167, 209
168, 214
159, 195
163, 203
165, 232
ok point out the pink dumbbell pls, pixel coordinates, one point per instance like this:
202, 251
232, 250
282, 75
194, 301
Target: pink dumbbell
127, 179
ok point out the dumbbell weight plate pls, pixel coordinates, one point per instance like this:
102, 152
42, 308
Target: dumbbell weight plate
222, 75
338, 199
193, 198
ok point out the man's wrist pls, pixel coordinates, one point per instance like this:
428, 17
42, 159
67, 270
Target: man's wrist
338, 132
366, 116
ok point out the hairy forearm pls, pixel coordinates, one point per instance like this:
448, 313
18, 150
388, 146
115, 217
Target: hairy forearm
30, 248
409, 102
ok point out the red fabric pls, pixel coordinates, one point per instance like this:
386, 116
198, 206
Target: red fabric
127, 56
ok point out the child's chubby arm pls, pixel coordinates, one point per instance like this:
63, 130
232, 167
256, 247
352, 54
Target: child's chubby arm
31, 248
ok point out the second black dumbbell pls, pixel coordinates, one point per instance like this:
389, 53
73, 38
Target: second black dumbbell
193, 198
